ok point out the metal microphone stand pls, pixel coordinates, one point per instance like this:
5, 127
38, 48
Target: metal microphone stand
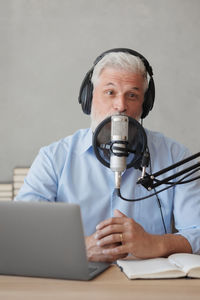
150, 182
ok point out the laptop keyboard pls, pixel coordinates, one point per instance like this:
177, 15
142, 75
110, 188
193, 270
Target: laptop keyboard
92, 269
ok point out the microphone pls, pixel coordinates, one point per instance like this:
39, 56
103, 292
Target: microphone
119, 141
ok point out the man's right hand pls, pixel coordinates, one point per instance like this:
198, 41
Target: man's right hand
95, 252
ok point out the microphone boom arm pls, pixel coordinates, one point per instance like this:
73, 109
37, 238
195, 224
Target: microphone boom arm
148, 180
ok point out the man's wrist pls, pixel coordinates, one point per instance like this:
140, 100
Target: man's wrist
173, 243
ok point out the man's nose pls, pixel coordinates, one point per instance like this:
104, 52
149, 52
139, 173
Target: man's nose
120, 103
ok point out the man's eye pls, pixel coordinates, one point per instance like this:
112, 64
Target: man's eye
110, 92
132, 95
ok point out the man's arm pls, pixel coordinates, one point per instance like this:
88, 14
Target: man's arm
133, 239
41, 181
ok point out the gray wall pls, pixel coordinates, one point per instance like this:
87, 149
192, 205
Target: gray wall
46, 47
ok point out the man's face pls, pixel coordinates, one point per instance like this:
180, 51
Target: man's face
117, 91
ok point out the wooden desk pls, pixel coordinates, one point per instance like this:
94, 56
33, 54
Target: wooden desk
112, 284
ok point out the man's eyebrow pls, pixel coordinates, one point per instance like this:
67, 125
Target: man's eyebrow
109, 83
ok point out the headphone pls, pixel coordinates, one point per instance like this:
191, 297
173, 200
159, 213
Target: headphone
86, 89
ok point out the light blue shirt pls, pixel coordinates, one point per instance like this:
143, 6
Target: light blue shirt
68, 171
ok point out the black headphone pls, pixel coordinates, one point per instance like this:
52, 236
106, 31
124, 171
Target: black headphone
86, 89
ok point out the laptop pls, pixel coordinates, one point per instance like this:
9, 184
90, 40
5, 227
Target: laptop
42, 239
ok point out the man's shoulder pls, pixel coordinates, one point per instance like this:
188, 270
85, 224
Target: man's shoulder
156, 137
74, 140
166, 145
76, 137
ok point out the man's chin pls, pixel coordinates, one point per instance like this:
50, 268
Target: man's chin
95, 123
96, 120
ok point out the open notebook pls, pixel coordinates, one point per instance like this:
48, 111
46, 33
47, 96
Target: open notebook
175, 266
44, 240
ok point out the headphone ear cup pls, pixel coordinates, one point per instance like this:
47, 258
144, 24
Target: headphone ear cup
86, 98
85, 94
148, 98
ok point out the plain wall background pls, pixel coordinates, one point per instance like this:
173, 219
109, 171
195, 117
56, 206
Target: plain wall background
47, 46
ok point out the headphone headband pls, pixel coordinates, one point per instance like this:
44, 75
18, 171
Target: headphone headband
86, 89
126, 50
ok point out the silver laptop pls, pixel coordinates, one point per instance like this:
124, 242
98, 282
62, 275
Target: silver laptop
44, 240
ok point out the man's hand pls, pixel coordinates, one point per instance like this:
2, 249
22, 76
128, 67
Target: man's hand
130, 237
95, 252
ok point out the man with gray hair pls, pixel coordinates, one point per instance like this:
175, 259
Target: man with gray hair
120, 82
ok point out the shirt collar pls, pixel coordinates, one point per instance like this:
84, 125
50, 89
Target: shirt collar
86, 141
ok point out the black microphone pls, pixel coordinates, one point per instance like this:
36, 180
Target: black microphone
119, 143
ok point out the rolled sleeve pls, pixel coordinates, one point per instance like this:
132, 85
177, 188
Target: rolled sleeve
187, 213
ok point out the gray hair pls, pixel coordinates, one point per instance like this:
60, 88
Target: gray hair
120, 61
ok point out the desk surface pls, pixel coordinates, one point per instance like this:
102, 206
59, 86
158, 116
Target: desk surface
112, 284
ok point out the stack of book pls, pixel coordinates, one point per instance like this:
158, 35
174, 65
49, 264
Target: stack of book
6, 191
19, 174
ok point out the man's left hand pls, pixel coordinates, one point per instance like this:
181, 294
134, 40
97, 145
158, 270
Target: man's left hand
131, 235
